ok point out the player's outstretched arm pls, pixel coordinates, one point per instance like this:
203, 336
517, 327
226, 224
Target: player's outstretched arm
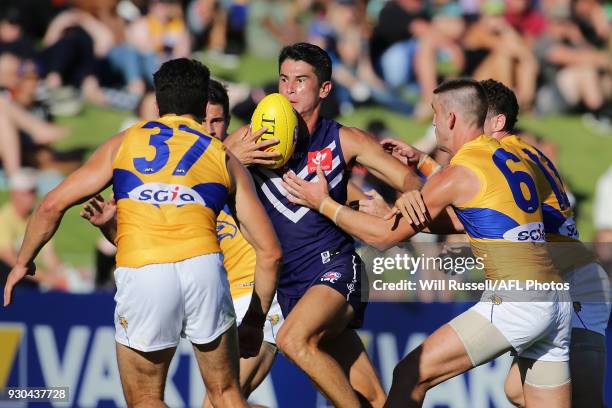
257, 229
359, 145
452, 185
94, 176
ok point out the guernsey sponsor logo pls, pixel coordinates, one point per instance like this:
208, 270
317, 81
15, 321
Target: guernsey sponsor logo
160, 194
532, 232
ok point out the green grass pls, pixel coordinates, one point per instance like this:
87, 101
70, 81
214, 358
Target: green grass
583, 155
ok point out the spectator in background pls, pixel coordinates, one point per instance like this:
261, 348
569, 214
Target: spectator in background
590, 17
220, 27
12, 38
74, 41
439, 54
525, 18
159, 35
273, 24
494, 49
602, 218
394, 42
354, 78
207, 21
320, 31
574, 71
13, 218
18, 126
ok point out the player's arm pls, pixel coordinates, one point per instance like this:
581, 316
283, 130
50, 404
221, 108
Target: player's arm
450, 186
411, 206
367, 152
94, 176
257, 229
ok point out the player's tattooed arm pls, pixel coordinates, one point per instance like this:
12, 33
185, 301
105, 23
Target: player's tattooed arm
101, 213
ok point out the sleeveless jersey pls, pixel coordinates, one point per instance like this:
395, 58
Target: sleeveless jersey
504, 220
309, 240
567, 251
238, 255
170, 181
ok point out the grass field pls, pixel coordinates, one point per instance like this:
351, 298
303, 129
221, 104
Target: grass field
583, 154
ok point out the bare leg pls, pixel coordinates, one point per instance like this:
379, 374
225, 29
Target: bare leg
522, 394
218, 362
497, 65
568, 83
526, 75
425, 67
41, 131
253, 370
143, 375
513, 386
559, 397
349, 352
591, 92
307, 324
440, 357
92, 92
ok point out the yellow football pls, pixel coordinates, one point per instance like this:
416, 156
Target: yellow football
276, 114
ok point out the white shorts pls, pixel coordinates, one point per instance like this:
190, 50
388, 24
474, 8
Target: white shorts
590, 290
274, 320
536, 330
159, 303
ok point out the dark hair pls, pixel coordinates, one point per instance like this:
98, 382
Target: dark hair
468, 96
12, 15
217, 94
181, 87
502, 101
310, 54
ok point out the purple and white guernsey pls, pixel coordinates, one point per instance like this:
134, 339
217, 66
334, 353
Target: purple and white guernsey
312, 244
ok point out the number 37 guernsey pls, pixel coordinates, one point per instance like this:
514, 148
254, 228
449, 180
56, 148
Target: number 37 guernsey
170, 181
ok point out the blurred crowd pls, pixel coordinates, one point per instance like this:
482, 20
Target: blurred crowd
56, 55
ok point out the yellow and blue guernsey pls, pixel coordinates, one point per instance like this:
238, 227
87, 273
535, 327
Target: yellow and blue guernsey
238, 255
170, 181
504, 220
559, 224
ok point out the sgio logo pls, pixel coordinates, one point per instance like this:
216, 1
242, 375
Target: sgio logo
532, 232
569, 229
161, 193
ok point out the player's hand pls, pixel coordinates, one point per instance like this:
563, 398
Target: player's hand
99, 211
412, 207
243, 144
17, 274
375, 205
250, 338
307, 193
403, 152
